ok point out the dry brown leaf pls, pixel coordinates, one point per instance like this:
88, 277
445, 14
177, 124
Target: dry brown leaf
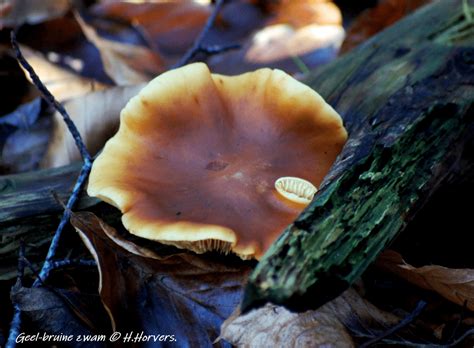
300, 13
276, 46
62, 83
456, 285
173, 25
275, 326
125, 64
184, 295
16, 12
277, 42
308, 29
96, 116
297, 28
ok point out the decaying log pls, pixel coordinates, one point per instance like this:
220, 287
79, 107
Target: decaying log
29, 211
406, 100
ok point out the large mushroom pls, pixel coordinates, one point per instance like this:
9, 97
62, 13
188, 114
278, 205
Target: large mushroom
197, 155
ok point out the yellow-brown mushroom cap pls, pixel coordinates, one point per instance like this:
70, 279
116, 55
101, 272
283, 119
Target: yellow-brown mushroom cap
197, 154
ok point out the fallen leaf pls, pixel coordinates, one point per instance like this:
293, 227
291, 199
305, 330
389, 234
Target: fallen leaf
14, 13
23, 117
456, 285
184, 295
276, 46
309, 31
374, 20
125, 64
173, 26
24, 136
62, 83
57, 311
301, 13
278, 42
275, 326
96, 116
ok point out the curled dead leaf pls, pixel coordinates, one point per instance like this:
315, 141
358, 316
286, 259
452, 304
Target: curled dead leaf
58, 311
185, 296
308, 30
277, 42
125, 64
17, 12
456, 285
275, 326
172, 25
306, 12
62, 83
24, 136
96, 116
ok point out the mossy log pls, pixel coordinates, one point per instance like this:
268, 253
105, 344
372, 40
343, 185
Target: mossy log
30, 211
406, 100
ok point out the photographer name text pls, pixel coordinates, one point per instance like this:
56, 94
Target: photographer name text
127, 337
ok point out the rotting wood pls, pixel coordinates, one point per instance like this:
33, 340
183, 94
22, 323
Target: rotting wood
406, 99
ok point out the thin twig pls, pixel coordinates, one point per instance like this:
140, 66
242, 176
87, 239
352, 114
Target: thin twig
14, 327
21, 263
300, 64
51, 99
54, 290
404, 322
53, 265
48, 264
458, 322
35, 272
58, 200
16, 320
198, 43
85, 170
214, 49
461, 338
72, 262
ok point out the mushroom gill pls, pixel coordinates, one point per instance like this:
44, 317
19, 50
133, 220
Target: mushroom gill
196, 157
